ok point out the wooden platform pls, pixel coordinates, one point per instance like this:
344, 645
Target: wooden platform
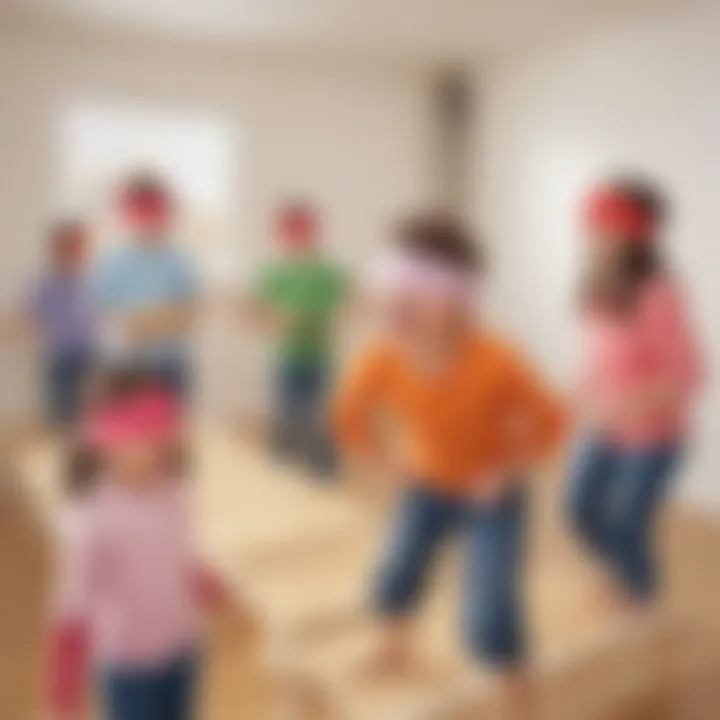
301, 553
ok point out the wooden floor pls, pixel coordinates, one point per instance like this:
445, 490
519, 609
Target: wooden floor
298, 550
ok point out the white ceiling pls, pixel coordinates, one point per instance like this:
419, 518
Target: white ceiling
435, 30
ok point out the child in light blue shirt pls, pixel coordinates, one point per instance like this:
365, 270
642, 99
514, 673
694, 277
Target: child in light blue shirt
146, 289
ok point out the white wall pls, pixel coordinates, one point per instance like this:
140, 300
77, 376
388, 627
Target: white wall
354, 138
644, 95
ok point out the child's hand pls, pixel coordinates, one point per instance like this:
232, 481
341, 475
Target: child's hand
489, 489
210, 591
66, 715
392, 467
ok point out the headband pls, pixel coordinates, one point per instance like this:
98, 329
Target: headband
406, 274
613, 211
151, 414
297, 227
144, 206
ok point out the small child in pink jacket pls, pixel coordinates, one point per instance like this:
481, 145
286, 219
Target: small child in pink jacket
641, 371
129, 583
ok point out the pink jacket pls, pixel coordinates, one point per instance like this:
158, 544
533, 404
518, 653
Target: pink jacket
655, 344
128, 585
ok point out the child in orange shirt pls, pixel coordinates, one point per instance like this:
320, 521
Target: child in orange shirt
474, 421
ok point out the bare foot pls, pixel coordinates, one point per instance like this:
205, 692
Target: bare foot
388, 654
608, 597
519, 697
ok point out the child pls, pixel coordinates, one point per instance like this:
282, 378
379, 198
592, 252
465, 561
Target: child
300, 295
641, 370
473, 422
146, 289
60, 310
129, 582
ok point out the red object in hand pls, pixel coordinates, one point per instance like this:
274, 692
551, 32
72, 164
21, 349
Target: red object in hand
209, 589
69, 653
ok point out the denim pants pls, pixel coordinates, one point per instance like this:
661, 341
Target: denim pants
166, 692
493, 617
299, 429
176, 376
613, 500
66, 374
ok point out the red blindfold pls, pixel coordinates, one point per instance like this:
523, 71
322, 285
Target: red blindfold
297, 229
145, 208
608, 210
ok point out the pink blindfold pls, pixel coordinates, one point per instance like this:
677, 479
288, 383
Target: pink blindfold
401, 274
152, 415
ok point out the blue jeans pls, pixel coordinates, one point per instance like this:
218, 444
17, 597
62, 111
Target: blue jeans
493, 618
176, 376
300, 429
613, 500
66, 374
166, 692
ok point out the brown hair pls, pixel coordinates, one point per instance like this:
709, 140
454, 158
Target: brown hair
83, 462
640, 259
63, 234
443, 238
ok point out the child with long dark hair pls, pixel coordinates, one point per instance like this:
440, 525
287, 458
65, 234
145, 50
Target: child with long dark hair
129, 581
471, 421
641, 370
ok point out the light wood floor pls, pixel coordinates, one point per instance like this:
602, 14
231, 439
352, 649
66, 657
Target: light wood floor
236, 688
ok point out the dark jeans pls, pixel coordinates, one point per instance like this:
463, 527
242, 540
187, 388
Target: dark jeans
299, 428
493, 618
65, 376
176, 375
162, 693
613, 500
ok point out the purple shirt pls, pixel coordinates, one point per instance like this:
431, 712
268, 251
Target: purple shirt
61, 306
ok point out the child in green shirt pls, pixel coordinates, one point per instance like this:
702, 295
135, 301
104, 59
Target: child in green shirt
299, 295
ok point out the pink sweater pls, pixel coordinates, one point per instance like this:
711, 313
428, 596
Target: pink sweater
128, 585
654, 345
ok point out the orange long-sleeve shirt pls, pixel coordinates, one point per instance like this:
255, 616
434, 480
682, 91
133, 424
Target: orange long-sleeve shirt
475, 418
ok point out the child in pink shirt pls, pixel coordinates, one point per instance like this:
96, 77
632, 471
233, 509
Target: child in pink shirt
641, 370
129, 583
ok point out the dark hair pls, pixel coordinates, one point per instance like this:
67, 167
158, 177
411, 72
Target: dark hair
83, 462
295, 205
640, 259
647, 195
63, 233
617, 291
442, 238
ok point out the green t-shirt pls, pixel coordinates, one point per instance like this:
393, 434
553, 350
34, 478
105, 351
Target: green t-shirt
308, 292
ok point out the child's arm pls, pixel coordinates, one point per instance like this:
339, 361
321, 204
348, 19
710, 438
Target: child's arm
357, 397
208, 588
535, 420
169, 320
678, 367
69, 648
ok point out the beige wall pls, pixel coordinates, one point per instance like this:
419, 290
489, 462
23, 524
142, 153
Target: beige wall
642, 95
353, 137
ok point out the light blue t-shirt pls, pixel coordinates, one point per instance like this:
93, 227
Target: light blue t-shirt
138, 277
